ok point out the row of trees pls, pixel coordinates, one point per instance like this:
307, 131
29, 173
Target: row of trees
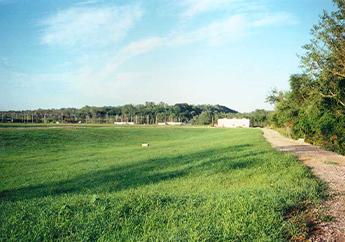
148, 113
314, 107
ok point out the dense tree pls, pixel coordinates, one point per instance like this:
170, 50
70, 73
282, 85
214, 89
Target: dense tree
314, 107
203, 118
325, 55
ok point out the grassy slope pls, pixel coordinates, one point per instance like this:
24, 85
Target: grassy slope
192, 183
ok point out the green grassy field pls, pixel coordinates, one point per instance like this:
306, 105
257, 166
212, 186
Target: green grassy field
98, 183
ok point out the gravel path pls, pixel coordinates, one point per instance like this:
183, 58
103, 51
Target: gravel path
329, 167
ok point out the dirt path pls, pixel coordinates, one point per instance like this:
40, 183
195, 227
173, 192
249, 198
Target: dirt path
328, 166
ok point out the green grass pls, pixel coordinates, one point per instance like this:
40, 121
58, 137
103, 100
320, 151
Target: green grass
98, 183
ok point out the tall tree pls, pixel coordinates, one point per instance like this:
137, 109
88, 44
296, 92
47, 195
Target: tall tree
315, 104
324, 59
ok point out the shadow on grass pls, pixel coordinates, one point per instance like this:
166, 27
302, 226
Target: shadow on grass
142, 173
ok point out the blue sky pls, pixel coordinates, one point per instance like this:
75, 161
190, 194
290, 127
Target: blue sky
73, 53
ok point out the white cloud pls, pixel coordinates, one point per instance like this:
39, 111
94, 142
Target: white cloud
275, 19
129, 51
141, 46
216, 32
195, 7
84, 26
87, 25
87, 2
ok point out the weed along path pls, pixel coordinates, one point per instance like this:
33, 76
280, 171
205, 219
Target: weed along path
329, 167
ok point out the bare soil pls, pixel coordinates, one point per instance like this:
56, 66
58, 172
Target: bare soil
330, 168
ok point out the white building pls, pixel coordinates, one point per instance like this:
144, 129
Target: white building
174, 123
124, 123
233, 123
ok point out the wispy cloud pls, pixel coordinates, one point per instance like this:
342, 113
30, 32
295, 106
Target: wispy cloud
89, 25
218, 32
275, 19
131, 50
214, 33
195, 7
86, 25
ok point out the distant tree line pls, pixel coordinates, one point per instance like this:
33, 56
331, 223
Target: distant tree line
148, 113
314, 107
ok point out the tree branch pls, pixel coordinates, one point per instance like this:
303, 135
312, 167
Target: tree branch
334, 96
